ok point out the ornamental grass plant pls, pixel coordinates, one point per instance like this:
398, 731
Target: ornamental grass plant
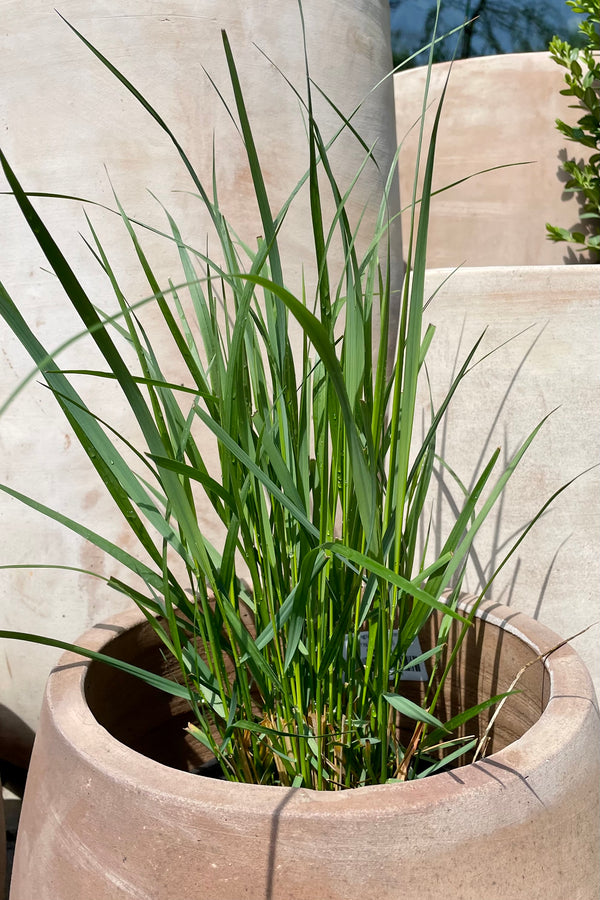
296, 636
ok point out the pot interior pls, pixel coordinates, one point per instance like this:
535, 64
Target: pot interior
153, 723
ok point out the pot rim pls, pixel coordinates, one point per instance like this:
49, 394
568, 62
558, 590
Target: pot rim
571, 701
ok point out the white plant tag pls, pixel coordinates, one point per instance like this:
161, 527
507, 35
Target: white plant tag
410, 673
418, 672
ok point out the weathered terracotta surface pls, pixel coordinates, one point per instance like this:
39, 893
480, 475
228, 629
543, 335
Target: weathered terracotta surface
497, 110
101, 820
546, 322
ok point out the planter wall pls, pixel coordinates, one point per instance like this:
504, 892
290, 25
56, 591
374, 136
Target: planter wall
522, 823
498, 110
555, 365
63, 118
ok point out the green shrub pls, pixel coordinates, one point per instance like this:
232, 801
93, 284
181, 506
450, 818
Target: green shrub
583, 82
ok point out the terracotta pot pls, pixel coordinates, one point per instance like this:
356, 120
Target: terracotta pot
104, 820
546, 319
498, 218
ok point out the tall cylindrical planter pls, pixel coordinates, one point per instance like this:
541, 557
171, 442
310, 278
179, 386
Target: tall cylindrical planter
499, 114
544, 322
107, 815
64, 118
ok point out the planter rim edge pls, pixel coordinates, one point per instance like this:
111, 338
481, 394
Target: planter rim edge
570, 684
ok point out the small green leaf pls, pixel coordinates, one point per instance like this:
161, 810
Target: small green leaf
151, 678
412, 710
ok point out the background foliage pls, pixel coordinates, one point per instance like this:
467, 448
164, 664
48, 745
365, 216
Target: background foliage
499, 26
582, 78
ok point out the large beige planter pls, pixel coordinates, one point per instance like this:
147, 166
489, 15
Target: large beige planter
552, 366
103, 820
498, 110
64, 118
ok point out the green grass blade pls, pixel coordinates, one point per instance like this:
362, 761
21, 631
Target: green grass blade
155, 681
412, 710
318, 336
410, 587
